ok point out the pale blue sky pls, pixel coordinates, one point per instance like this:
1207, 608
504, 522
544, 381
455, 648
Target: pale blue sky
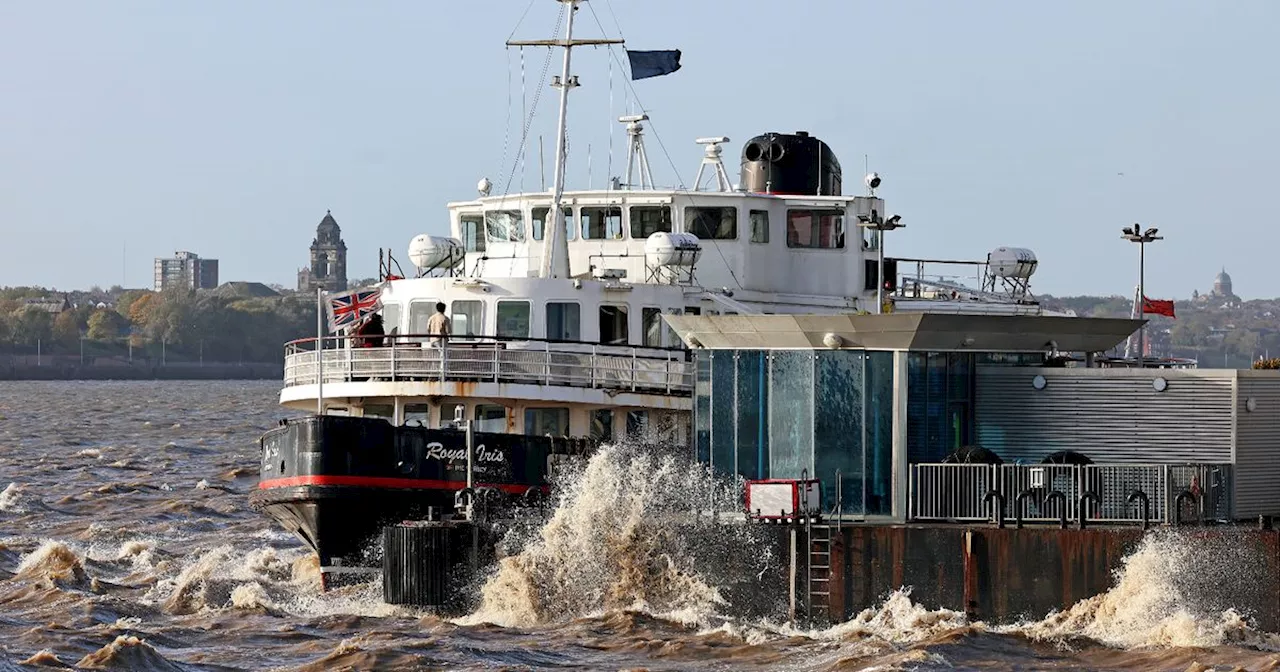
228, 127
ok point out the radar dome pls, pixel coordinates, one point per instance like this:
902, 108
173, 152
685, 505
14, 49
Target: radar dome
431, 251
1012, 262
672, 249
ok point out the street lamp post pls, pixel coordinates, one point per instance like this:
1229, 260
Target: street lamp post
1135, 234
875, 223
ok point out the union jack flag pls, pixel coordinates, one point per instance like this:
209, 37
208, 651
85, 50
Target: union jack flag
350, 309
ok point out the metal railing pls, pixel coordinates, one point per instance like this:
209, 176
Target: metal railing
490, 359
1044, 493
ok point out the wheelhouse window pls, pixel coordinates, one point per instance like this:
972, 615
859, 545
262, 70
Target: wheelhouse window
759, 226
467, 318
491, 418
541, 421
601, 223
652, 321
564, 321
647, 220
513, 319
504, 226
822, 229
540, 221
712, 223
613, 325
419, 313
472, 232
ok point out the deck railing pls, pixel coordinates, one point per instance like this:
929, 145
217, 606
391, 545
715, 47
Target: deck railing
1045, 493
491, 359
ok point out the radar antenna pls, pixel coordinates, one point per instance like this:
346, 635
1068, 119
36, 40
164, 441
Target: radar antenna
637, 159
712, 159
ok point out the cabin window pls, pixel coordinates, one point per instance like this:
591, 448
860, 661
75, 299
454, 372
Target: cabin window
540, 421
491, 418
759, 226
601, 223
652, 320
450, 411
419, 313
673, 339
473, 233
692, 310
386, 411
513, 319
822, 229
602, 424
504, 226
391, 317
467, 318
637, 422
712, 223
417, 415
539, 223
564, 321
613, 325
647, 220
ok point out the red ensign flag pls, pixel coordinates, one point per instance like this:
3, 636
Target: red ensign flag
1157, 307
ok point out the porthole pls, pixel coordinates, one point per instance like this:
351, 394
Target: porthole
1039, 382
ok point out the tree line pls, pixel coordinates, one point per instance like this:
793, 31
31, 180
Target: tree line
181, 324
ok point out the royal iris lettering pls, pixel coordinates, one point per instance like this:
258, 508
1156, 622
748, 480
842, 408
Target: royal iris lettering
437, 451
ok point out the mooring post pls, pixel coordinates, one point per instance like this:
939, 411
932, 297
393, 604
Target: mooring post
1140, 496
1083, 507
1062, 502
1177, 506
998, 513
1019, 504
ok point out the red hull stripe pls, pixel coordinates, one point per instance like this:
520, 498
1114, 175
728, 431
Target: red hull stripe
382, 482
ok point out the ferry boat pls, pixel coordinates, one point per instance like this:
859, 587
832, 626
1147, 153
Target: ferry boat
557, 301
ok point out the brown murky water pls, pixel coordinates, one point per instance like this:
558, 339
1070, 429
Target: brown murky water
126, 543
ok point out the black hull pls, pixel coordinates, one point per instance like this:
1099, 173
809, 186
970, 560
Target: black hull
335, 481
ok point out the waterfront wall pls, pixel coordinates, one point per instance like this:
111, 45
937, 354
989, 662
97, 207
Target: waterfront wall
1012, 575
175, 371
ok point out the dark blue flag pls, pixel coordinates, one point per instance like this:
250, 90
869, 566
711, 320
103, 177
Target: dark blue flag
653, 63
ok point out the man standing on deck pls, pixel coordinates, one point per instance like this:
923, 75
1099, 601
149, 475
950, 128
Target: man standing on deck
438, 326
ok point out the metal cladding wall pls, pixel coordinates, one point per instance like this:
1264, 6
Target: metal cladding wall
1257, 453
1111, 415
1011, 575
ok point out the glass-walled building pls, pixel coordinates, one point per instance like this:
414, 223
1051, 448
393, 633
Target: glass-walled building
852, 400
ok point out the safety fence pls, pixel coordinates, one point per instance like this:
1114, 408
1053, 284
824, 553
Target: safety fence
1063, 493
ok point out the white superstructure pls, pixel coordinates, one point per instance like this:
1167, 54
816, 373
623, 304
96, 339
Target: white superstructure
556, 298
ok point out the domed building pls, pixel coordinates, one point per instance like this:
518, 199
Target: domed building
328, 268
1222, 286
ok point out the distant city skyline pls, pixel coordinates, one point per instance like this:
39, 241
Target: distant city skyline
134, 131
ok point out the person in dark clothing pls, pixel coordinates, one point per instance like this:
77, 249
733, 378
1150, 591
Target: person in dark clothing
371, 333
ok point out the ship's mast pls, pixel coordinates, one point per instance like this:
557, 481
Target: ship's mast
555, 247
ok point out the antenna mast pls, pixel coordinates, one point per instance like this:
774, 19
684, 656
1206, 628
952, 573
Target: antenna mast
555, 250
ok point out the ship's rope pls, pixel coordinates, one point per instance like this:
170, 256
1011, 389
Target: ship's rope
533, 110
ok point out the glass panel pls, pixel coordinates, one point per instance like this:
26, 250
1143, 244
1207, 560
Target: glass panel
513, 319
879, 429
837, 427
379, 411
465, 318
759, 226
564, 321
504, 225
539, 223
450, 411
472, 233
702, 406
753, 413
673, 339
416, 415
637, 423
790, 413
652, 318
601, 223
602, 424
540, 421
712, 223
815, 228
419, 313
647, 220
491, 418
391, 317
722, 426
613, 325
